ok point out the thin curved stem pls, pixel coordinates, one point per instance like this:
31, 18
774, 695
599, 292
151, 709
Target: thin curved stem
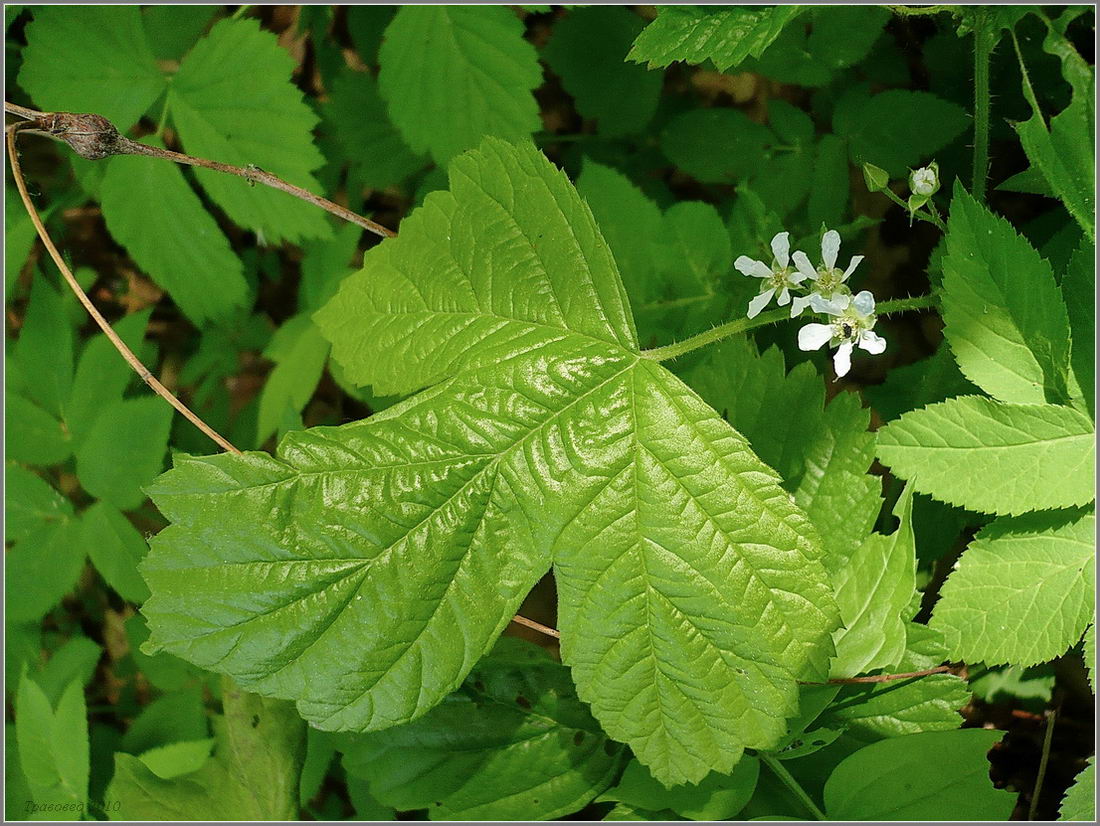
82, 297
780, 771
743, 325
1048, 739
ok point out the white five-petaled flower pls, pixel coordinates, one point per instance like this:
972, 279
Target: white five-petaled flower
779, 277
828, 280
853, 318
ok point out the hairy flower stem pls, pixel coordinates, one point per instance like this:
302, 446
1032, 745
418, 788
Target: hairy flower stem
985, 38
743, 325
780, 771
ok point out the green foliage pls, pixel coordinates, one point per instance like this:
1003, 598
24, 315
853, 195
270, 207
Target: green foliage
715, 797
587, 51
218, 118
994, 457
1023, 591
514, 739
483, 73
1080, 800
259, 747
1004, 318
724, 36
896, 129
918, 777
53, 749
113, 73
521, 363
485, 415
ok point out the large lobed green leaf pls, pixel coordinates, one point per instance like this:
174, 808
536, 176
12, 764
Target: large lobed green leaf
366, 569
1023, 592
1004, 317
992, 457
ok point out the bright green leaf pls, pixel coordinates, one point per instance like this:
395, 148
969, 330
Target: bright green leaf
75, 661
125, 450
482, 75
253, 774
34, 437
840, 497
53, 748
41, 569
31, 503
1022, 591
111, 73
547, 439
872, 591
177, 759
1090, 653
1080, 800
921, 383
175, 717
1003, 315
102, 375
172, 30
588, 52
515, 739
725, 36
232, 101
716, 797
19, 235
151, 210
939, 775
299, 352
992, 457
1078, 294
44, 350
325, 264
116, 548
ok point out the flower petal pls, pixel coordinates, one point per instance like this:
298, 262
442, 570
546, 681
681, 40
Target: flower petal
802, 264
830, 247
833, 306
781, 248
812, 336
864, 302
872, 342
798, 304
842, 359
759, 303
784, 297
750, 266
851, 267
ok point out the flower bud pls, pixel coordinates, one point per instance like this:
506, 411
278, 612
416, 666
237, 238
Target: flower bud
876, 178
925, 181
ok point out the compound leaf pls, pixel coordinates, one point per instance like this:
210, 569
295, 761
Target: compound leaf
116, 548
366, 569
299, 352
1022, 592
232, 101
995, 458
1004, 317
91, 59
151, 210
452, 75
724, 36
53, 746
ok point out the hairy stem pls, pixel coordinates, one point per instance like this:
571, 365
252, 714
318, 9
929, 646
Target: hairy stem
985, 39
743, 325
932, 216
780, 771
